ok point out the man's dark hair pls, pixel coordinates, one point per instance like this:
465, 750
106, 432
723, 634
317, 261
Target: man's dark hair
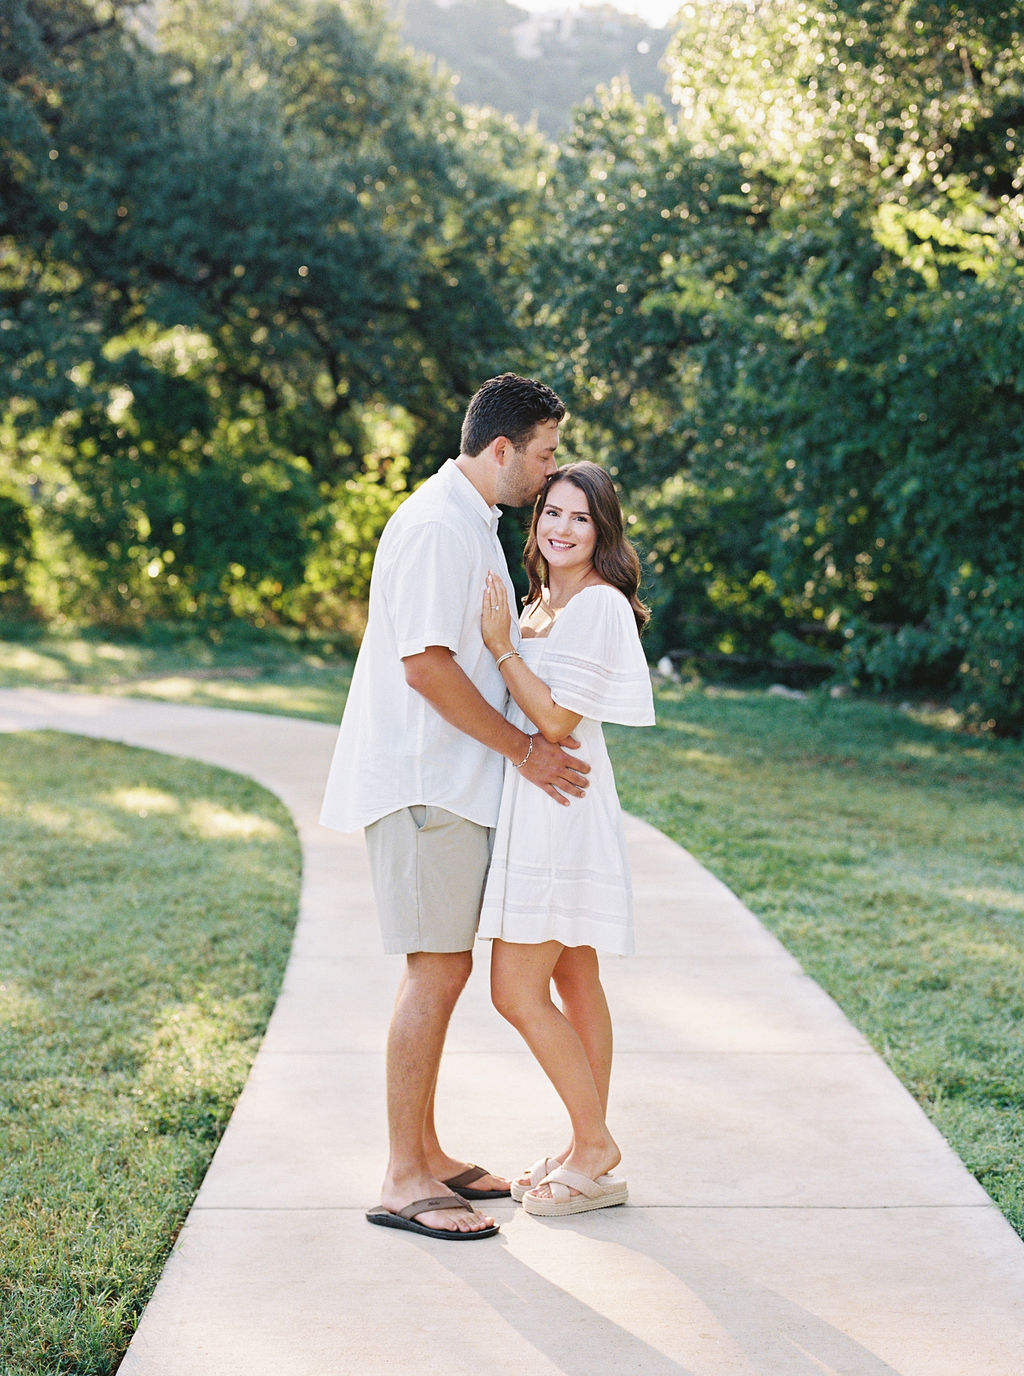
508, 405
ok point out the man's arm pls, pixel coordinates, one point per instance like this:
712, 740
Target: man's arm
436, 676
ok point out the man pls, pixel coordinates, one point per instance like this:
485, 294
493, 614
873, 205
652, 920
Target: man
419, 764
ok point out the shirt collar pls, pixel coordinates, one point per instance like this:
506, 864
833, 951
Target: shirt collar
468, 494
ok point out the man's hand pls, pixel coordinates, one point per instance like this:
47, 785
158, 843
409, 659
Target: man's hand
551, 769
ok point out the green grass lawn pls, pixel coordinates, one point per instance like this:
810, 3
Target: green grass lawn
883, 847
146, 914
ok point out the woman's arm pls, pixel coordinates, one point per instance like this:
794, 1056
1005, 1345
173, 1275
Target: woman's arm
530, 693
435, 675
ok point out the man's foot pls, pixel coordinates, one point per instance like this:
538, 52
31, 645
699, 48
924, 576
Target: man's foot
473, 1182
449, 1169
411, 1219
456, 1217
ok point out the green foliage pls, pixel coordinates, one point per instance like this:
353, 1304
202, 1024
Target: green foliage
15, 547
338, 572
199, 318
791, 323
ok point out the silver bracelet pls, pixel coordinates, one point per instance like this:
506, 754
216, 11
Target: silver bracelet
507, 655
528, 753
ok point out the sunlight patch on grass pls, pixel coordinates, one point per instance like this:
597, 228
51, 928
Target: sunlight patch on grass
917, 750
117, 654
174, 688
1003, 900
80, 653
215, 823
17, 1004
91, 828
705, 759
26, 663
317, 701
140, 802
944, 718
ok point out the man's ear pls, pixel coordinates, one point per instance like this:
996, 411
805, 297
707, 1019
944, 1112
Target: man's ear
502, 447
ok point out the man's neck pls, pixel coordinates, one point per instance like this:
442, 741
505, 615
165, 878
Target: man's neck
481, 473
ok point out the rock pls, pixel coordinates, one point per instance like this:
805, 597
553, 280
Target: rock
779, 690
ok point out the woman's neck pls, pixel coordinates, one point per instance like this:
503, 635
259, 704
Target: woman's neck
558, 589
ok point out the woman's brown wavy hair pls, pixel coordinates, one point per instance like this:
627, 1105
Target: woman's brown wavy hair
615, 559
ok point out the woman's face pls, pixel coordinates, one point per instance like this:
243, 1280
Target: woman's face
566, 534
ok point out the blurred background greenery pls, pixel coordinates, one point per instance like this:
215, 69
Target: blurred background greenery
255, 258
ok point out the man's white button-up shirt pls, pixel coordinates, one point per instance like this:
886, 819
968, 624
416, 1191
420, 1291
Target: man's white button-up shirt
393, 748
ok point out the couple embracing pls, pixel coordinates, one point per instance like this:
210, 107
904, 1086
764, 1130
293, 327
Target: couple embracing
447, 688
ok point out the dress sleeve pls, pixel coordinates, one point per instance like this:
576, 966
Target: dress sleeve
595, 664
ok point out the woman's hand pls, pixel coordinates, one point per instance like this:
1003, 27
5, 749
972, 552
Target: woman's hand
496, 619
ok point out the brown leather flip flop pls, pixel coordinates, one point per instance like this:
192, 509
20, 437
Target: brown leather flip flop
463, 1184
406, 1218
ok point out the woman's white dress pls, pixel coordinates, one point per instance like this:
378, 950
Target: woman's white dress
562, 873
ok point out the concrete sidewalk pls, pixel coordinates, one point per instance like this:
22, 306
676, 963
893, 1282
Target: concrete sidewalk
792, 1211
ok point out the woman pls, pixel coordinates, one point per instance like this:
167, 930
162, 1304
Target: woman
558, 889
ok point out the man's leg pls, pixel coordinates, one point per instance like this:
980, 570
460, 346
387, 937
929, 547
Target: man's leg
428, 869
427, 994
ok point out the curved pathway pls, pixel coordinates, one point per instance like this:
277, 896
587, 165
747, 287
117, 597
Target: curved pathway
792, 1211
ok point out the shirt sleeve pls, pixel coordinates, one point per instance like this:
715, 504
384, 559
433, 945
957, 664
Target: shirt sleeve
430, 571
595, 664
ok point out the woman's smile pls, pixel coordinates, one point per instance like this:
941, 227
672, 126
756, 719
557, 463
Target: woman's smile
566, 533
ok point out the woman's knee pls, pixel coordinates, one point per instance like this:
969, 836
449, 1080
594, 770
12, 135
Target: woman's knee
516, 1000
577, 973
508, 1000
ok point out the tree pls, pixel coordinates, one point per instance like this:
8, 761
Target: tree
294, 227
806, 337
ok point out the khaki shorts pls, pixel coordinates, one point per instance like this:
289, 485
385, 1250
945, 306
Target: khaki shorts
428, 868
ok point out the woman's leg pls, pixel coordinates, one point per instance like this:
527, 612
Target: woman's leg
577, 979
521, 989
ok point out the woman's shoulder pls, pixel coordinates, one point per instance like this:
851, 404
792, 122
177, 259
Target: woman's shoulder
598, 615
601, 599
604, 588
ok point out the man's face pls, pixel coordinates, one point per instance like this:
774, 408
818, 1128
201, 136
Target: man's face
527, 469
